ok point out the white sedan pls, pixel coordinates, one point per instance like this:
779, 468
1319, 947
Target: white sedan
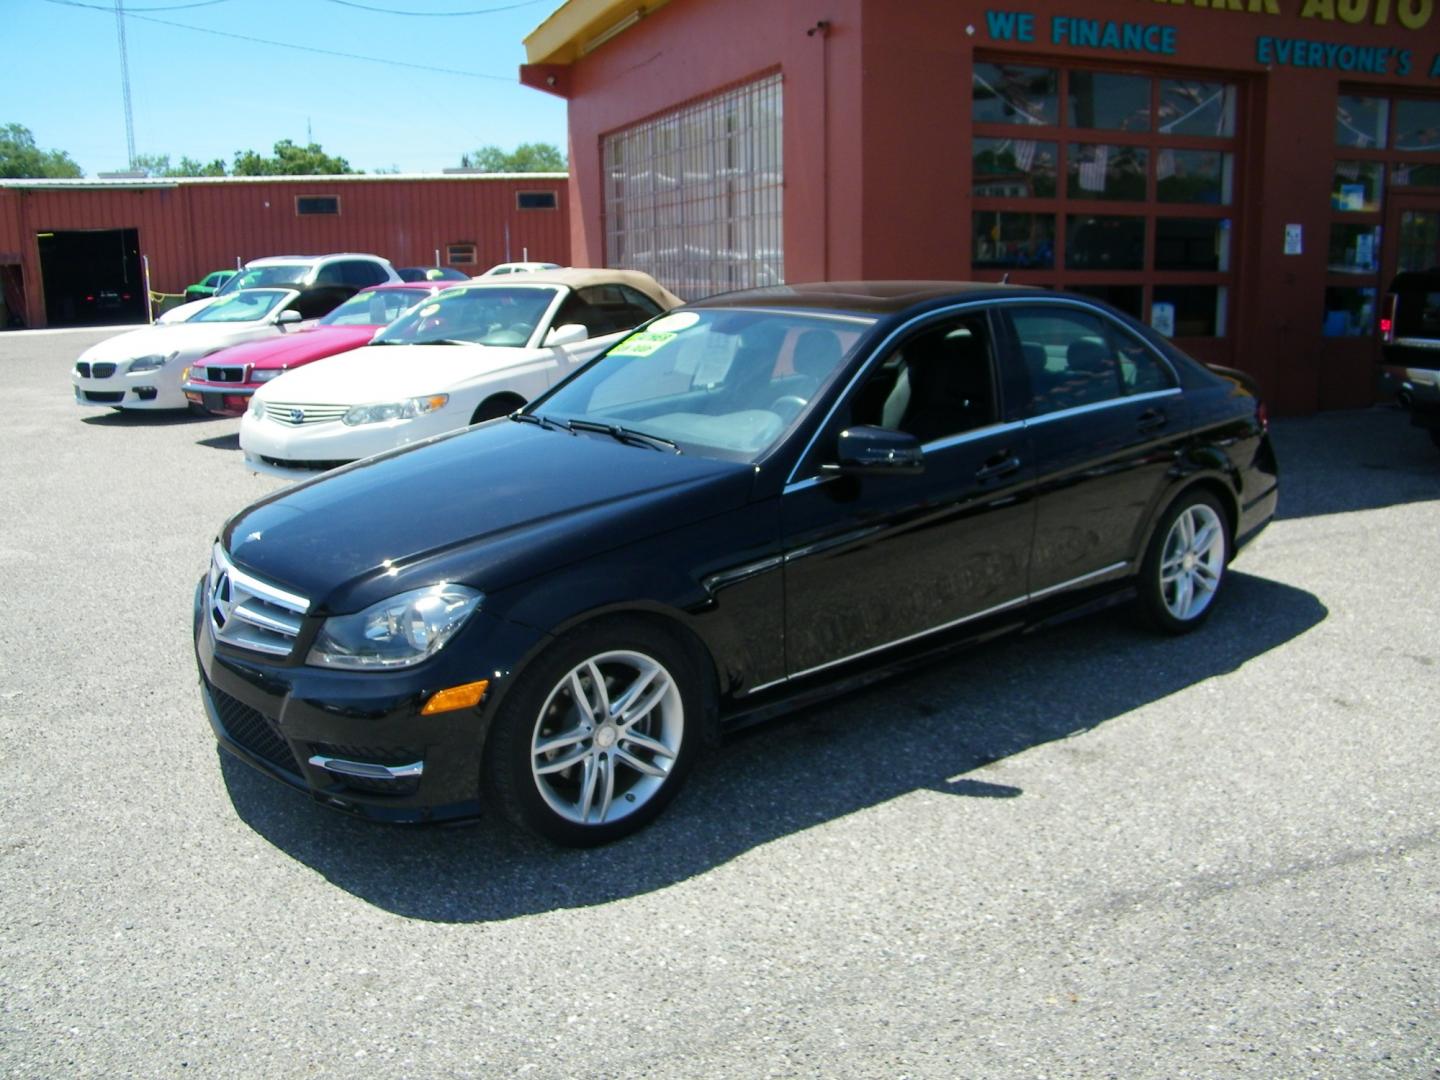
472, 353
144, 368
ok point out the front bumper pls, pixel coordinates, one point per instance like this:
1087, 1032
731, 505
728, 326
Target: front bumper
357, 741
301, 450
223, 399
158, 388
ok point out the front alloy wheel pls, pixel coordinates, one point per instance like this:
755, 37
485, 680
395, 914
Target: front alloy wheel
597, 735
607, 737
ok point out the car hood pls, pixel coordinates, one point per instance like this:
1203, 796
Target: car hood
391, 372
491, 507
185, 338
300, 347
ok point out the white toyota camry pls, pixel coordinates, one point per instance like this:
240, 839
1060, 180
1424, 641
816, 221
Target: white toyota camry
472, 353
143, 369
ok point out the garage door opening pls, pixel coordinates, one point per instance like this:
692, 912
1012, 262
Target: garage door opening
92, 277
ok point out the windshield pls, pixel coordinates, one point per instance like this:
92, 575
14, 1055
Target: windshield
504, 316
252, 305
374, 308
724, 383
258, 277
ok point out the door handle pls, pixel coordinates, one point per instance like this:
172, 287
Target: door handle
1151, 420
1001, 464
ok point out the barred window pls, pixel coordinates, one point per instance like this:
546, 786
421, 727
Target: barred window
693, 197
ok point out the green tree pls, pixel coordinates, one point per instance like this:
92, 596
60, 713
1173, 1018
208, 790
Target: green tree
527, 157
159, 165
21, 158
290, 160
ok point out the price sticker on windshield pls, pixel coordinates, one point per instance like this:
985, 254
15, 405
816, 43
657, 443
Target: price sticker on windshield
642, 344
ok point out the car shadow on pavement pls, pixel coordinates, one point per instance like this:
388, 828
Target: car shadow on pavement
1361, 459
928, 729
147, 418
221, 442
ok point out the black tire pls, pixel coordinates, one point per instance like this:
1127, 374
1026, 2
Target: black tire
1435, 436
492, 408
534, 787
1185, 564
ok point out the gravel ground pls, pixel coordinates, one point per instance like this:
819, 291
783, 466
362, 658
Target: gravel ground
1086, 853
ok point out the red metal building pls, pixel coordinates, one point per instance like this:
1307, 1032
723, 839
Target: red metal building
1245, 175
63, 241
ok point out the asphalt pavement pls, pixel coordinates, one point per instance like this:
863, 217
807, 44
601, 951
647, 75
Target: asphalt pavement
1089, 852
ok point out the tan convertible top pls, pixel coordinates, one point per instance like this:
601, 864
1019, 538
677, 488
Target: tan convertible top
578, 278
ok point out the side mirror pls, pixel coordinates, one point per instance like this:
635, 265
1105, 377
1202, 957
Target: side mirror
289, 315
568, 334
876, 451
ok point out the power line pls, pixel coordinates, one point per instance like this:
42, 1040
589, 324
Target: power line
291, 45
436, 14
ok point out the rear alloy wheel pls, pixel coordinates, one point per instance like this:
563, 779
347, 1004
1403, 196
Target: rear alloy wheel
1185, 564
597, 737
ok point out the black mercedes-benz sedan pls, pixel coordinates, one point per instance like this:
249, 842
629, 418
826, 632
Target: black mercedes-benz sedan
743, 505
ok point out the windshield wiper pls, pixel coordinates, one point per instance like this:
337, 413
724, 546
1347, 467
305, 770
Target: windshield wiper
624, 434
441, 341
543, 421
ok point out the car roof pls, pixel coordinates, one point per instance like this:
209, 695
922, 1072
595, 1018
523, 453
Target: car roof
869, 297
578, 278
273, 260
1416, 280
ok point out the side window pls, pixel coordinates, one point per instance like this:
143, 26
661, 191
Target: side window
359, 273
574, 309
612, 310
330, 274
1141, 372
1069, 358
937, 383
319, 301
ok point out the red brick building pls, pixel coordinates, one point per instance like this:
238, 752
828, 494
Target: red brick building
63, 241
1245, 175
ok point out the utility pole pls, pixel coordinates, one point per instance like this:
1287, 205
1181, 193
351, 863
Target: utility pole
125, 83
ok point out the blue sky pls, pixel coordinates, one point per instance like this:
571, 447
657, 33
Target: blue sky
210, 77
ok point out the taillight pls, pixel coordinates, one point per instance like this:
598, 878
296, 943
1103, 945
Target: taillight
1387, 320
1262, 414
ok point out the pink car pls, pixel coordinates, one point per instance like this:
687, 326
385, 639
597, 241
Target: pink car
223, 381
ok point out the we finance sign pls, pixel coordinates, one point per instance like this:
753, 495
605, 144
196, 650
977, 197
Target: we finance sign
1143, 37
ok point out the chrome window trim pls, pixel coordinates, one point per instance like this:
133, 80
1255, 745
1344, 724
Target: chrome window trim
1008, 604
1096, 406
1044, 300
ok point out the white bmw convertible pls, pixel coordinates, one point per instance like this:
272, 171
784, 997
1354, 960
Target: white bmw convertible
471, 353
143, 369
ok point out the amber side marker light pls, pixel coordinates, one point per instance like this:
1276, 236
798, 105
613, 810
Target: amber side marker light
457, 697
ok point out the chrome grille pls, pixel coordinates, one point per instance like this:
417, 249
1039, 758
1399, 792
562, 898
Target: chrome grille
248, 613
222, 374
286, 412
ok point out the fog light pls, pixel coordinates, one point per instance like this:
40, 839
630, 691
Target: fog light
146, 393
457, 697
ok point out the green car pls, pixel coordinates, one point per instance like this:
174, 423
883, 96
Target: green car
207, 285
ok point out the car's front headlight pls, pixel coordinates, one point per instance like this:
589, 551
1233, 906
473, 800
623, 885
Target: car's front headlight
265, 374
408, 409
150, 363
397, 632
257, 408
